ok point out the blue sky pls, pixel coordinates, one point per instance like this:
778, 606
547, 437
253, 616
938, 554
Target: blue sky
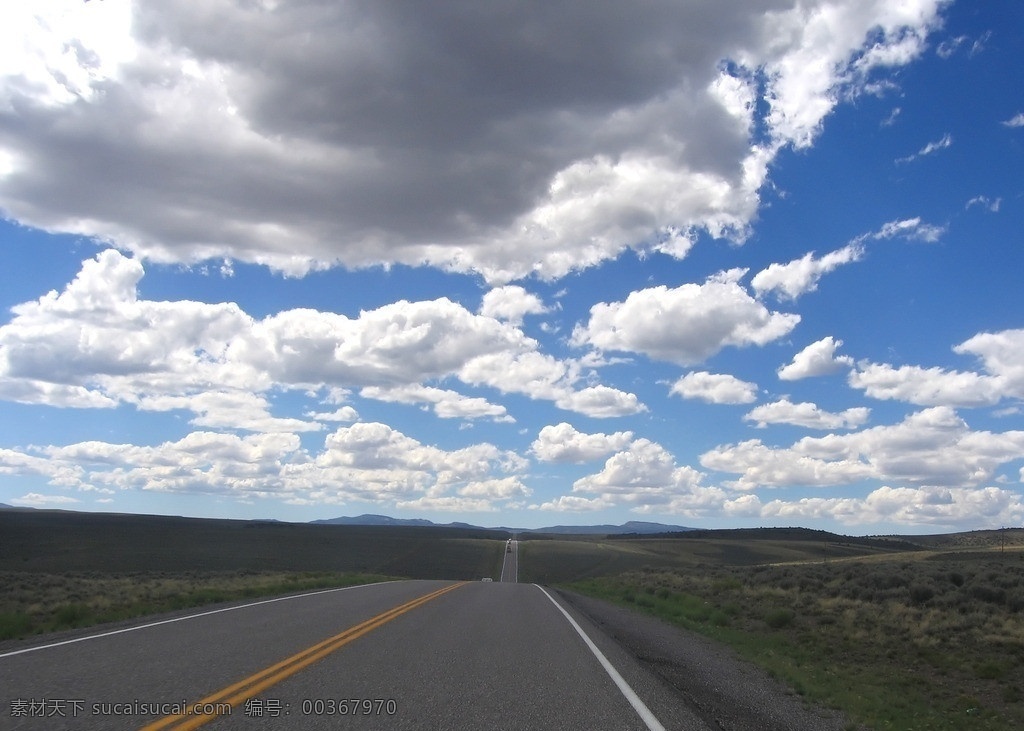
755, 264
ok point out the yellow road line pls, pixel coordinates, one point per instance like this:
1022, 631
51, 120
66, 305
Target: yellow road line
237, 693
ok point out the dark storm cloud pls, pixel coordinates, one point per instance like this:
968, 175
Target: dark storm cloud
504, 137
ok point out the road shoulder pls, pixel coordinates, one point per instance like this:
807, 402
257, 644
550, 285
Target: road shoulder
721, 688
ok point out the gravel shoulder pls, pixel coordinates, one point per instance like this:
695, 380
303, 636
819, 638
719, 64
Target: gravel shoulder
724, 690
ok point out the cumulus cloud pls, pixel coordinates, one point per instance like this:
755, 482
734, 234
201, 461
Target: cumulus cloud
685, 324
365, 462
801, 275
807, 415
97, 344
764, 466
563, 443
715, 388
817, 359
342, 413
933, 447
600, 402
1001, 355
548, 138
446, 404
933, 507
926, 386
645, 478
511, 303
572, 504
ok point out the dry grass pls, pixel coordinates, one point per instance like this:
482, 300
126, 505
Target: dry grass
924, 641
32, 603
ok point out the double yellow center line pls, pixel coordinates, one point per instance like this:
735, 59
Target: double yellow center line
238, 693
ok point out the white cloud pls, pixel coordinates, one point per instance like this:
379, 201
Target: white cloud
572, 504
801, 275
685, 324
762, 466
448, 504
14, 462
521, 158
1002, 354
807, 415
1015, 121
909, 228
933, 507
926, 386
817, 359
504, 488
563, 443
541, 376
989, 204
97, 344
227, 410
36, 500
376, 463
797, 277
893, 116
929, 149
511, 303
601, 402
201, 462
446, 404
715, 388
366, 462
933, 447
645, 478
342, 413
1002, 357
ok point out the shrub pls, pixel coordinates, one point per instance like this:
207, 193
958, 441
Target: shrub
14, 624
919, 593
71, 615
990, 594
990, 671
779, 618
1015, 601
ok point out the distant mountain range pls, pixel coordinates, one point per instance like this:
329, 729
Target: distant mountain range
633, 526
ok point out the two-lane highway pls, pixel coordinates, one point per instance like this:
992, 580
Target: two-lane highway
510, 566
399, 655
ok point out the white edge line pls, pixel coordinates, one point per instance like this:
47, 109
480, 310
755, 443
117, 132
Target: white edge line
181, 619
634, 700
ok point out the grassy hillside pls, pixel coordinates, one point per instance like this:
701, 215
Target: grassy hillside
915, 639
56, 541
62, 570
552, 560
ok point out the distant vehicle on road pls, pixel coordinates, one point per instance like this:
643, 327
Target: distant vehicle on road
487, 578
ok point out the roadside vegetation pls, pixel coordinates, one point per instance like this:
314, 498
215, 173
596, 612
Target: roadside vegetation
910, 633
33, 603
63, 570
917, 640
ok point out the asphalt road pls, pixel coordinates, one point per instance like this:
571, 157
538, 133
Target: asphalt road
410, 654
510, 567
